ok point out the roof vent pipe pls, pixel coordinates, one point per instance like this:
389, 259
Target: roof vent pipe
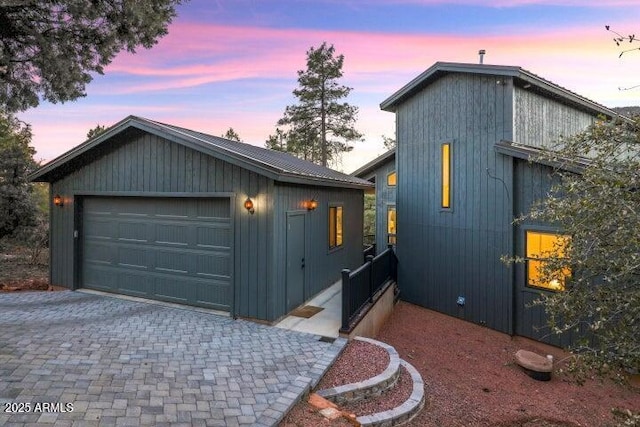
481, 52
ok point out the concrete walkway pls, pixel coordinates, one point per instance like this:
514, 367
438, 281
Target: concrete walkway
119, 362
325, 323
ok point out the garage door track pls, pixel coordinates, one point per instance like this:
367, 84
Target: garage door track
119, 362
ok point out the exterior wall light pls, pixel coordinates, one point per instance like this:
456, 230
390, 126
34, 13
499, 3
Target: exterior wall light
248, 205
58, 201
311, 204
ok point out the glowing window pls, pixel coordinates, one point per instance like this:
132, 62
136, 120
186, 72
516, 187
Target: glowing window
446, 175
335, 226
391, 225
392, 179
539, 248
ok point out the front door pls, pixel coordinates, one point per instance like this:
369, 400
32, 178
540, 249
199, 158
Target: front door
295, 260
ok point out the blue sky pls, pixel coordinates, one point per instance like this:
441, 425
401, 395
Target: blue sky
233, 63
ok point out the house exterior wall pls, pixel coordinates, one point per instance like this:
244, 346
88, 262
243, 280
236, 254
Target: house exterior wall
385, 197
447, 253
143, 164
541, 122
532, 183
323, 265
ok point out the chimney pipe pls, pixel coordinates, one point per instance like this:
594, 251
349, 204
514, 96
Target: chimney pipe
481, 52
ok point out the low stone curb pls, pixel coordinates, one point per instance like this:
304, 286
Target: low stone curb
301, 386
370, 387
404, 412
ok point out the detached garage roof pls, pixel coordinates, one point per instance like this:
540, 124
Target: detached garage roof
276, 165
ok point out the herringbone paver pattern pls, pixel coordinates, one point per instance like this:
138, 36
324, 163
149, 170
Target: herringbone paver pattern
124, 363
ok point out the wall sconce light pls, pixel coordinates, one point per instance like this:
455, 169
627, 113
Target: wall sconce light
311, 204
248, 205
58, 201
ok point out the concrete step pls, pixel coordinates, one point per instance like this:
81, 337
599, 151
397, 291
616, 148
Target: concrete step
377, 386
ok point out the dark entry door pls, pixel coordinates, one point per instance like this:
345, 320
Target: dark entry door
295, 260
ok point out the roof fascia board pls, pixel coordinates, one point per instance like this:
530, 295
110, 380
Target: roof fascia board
374, 164
525, 153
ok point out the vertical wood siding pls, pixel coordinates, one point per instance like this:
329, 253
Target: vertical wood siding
444, 254
323, 266
532, 183
385, 196
541, 122
142, 162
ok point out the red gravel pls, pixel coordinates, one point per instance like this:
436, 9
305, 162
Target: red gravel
471, 379
393, 397
359, 361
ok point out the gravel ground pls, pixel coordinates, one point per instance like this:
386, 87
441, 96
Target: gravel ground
471, 379
359, 361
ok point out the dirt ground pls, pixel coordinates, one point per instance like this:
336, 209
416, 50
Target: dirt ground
471, 379
19, 273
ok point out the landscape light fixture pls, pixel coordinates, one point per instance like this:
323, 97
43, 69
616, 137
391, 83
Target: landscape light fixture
57, 200
248, 205
311, 204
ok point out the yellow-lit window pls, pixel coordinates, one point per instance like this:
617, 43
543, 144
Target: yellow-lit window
392, 179
335, 226
446, 175
391, 225
540, 247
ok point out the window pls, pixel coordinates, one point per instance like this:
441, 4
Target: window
446, 175
392, 179
391, 225
539, 247
335, 226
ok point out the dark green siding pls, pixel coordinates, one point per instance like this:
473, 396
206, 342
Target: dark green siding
141, 164
444, 254
532, 183
323, 266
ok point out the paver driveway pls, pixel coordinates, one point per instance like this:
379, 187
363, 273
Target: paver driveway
122, 362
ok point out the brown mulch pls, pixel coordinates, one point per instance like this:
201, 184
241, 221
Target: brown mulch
471, 379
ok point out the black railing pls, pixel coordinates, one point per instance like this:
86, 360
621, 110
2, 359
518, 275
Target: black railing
361, 286
369, 250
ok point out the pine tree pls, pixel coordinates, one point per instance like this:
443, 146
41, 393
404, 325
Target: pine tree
321, 125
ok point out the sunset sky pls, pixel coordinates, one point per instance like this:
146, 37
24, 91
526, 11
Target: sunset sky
233, 63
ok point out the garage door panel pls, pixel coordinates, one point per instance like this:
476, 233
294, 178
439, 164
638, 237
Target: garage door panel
169, 234
214, 265
133, 283
175, 250
99, 228
213, 211
208, 237
133, 231
172, 261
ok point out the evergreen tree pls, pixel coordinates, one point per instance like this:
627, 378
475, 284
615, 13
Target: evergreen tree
50, 48
96, 131
321, 125
17, 206
232, 135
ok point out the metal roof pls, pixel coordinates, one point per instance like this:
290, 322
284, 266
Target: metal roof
522, 77
532, 154
277, 165
374, 164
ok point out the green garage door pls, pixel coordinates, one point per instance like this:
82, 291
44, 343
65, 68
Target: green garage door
170, 249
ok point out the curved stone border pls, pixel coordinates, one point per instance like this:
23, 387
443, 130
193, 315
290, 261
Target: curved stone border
404, 412
371, 387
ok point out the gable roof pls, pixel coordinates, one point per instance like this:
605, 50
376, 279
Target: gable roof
532, 154
276, 165
374, 164
521, 77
